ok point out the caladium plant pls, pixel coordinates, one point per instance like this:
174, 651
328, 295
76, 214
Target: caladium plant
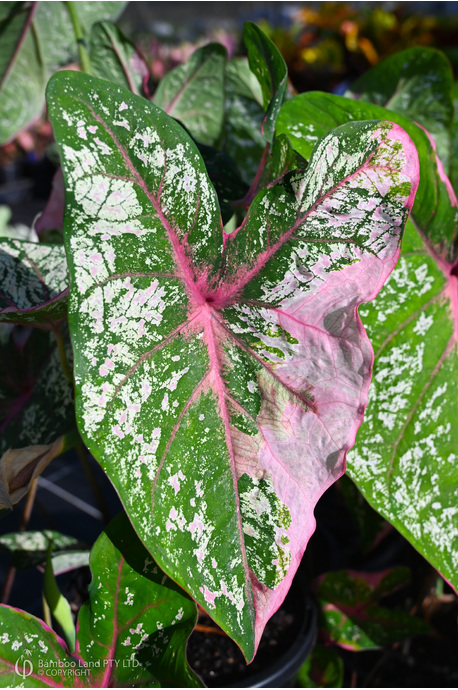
221, 378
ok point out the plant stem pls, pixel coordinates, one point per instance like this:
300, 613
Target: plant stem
63, 355
82, 49
46, 612
88, 471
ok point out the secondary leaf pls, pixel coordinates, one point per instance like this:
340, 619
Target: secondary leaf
29, 549
114, 57
417, 83
36, 399
308, 117
193, 93
131, 632
36, 39
34, 283
351, 616
404, 458
267, 63
221, 378
243, 139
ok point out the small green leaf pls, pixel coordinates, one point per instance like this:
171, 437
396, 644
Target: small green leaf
114, 58
193, 93
34, 280
267, 63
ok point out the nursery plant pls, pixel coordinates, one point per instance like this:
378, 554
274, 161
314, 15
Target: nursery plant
218, 241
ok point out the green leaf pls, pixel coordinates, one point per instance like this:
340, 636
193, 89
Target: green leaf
193, 93
205, 362
350, 613
417, 83
267, 63
36, 38
243, 139
403, 461
37, 412
29, 549
323, 669
34, 280
132, 631
114, 57
58, 604
454, 141
225, 178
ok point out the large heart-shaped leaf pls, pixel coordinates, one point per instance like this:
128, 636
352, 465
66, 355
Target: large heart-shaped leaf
416, 83
132, 631
114, 57
404, 458
37, 38
221, 378
193, 93
351, 615
454, 142
267, 63
34, 283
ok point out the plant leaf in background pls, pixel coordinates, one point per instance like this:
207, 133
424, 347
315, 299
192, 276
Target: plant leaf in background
37, 413
193, 93
243, 139
29, 549
114, 58
351, 616
34, 283
267, 63
454, 143
37, 38
190, 344
323, 669
416, 83
405, 455
135, 616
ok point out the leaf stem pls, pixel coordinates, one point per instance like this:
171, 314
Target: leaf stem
251, 193
63, 355
82, 48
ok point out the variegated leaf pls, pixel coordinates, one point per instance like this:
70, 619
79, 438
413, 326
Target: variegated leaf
405, 455
221, 378
34, 283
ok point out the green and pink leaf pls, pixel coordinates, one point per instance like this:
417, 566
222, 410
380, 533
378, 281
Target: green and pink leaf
221, 378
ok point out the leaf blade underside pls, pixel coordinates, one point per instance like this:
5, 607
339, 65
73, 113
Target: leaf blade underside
186, 354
